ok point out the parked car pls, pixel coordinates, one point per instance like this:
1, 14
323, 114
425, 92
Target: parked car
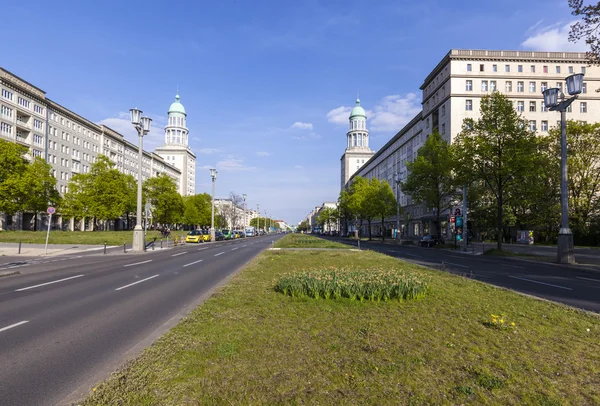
429, 241
194, 236
219, 236
227, 235
206, 237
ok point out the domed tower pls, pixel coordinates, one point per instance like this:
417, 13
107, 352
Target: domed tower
176, 150
357, 144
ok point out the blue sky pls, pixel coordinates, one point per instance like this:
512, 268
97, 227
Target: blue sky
266, 84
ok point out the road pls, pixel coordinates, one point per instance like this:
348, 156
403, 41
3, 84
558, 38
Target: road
65, 325
574, 287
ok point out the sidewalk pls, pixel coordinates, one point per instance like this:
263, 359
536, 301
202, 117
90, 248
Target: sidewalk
38, 250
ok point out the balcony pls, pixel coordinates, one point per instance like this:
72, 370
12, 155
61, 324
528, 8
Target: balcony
23, 122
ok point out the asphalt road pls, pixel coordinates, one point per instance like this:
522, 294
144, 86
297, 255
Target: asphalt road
65, 325
574, 287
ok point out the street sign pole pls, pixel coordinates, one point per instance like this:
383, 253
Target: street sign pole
50, 211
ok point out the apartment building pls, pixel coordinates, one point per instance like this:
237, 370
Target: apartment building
452, 91
67, 141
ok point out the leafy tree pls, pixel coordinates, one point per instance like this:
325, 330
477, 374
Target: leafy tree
344, 208
167, 203
383, 201
304, 226
220, 221
12, 166
191, 214
497, 150
75, 203
131, 198
327, 216
587, 28
38, 188
259, 222
107, 190
430, 179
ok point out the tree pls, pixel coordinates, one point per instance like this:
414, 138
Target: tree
75, 203
191, 214
38, 188
12, 165
344, 208
497, 150
131, 198
327, 216
587, 28
384, 201
233, 211
258, 222
304, 226
167, 203
107, 190
220, 221
430, 178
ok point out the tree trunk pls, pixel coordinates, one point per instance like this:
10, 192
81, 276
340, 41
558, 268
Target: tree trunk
35, 221
369, 223
439, 224
499, 219
383, 228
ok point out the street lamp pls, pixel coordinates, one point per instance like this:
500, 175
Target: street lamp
142, 125
245, 214
397, 181
258, 213
213, 175
565, 254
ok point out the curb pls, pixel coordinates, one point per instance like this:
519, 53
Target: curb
9, 273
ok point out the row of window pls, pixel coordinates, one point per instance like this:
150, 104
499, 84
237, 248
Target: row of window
508, 86
5, 128
6, 111
358, 125
507, 68
358, 140
177, 121
532, 106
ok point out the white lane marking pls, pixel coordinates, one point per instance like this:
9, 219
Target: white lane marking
233, 249
588, 279
244, 245
218, 245
200, 249
514, 266
181, 253
138, 263
541, 283
411, 255
452, 263
135, 283
220, 253
49, 283
192, 263
13, 325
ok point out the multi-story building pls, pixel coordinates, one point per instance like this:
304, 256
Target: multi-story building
67, 141
235, 216
452, 91
357, 145
312, 218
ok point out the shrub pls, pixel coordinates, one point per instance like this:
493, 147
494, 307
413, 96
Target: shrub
367, 284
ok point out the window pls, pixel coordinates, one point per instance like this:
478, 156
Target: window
469, 105
6, 94
569, 109
6, 111
584, 88
38, 109
531, 87
469, 67
583, 70
493, 86
508, 86
37, 124
494, 68
443, 128
532, 125
481, 68
543, 86
531, 106
6, 128
532, 68
37, 139
544, 108
469, 85
484, 85
544, 125
23, 102
520, 68
520, 87
570, 69
559, 85
443, 111
557, 69
506, 68
583, 107
520, 106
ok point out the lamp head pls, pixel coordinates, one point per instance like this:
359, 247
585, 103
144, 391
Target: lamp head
135, 116
574, 84
551, 97
146, 122
213, 174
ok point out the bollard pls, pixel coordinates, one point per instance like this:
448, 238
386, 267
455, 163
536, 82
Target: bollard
124, 248
153, 244
104, 248
161, 243
167, 242
19, 247
359, 244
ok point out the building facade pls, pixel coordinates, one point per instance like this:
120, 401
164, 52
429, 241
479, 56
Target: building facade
176, 150
357, 144
236, 216
67, 141
452, 91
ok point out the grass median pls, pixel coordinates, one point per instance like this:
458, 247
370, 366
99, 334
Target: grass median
464, 342
308, 241
78, 237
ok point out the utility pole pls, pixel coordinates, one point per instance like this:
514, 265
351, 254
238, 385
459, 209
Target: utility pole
465, 228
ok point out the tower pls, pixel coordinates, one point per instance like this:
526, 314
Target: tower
176, 150
357, 144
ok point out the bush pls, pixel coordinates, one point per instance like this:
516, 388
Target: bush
368, 284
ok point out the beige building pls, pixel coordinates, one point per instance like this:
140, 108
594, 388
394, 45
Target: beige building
67, 141
357, 144
452, 91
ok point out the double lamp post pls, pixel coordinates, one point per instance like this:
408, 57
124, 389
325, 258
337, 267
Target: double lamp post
142, 126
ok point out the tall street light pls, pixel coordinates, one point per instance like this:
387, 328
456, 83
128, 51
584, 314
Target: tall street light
397, 181
245, 214
213, 175
565, 254
258, 212
142, 125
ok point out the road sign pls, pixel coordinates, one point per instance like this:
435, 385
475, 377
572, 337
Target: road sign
147, 206
51, 210
457, 211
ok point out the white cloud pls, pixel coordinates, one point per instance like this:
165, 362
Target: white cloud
339, 115
208, 151
389, 114
262, 153
122, 124
233, 164
310, 136
552, 38
298, 167
302, 126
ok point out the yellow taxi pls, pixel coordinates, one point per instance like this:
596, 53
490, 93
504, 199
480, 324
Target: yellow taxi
206, 235
195, 236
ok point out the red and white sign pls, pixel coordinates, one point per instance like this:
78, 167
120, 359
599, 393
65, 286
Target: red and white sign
51, 210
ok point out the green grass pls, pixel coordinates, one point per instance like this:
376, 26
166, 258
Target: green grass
77, 237
308, 241
251, 345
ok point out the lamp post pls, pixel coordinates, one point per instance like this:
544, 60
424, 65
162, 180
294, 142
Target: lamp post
266, 229
213, 175
245, 214
565, 253
397, 181
258, 213
142, 126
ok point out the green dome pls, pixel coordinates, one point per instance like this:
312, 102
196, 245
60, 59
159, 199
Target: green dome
177, 107
358, 111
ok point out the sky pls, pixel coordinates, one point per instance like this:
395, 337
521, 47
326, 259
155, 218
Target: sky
267, 85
